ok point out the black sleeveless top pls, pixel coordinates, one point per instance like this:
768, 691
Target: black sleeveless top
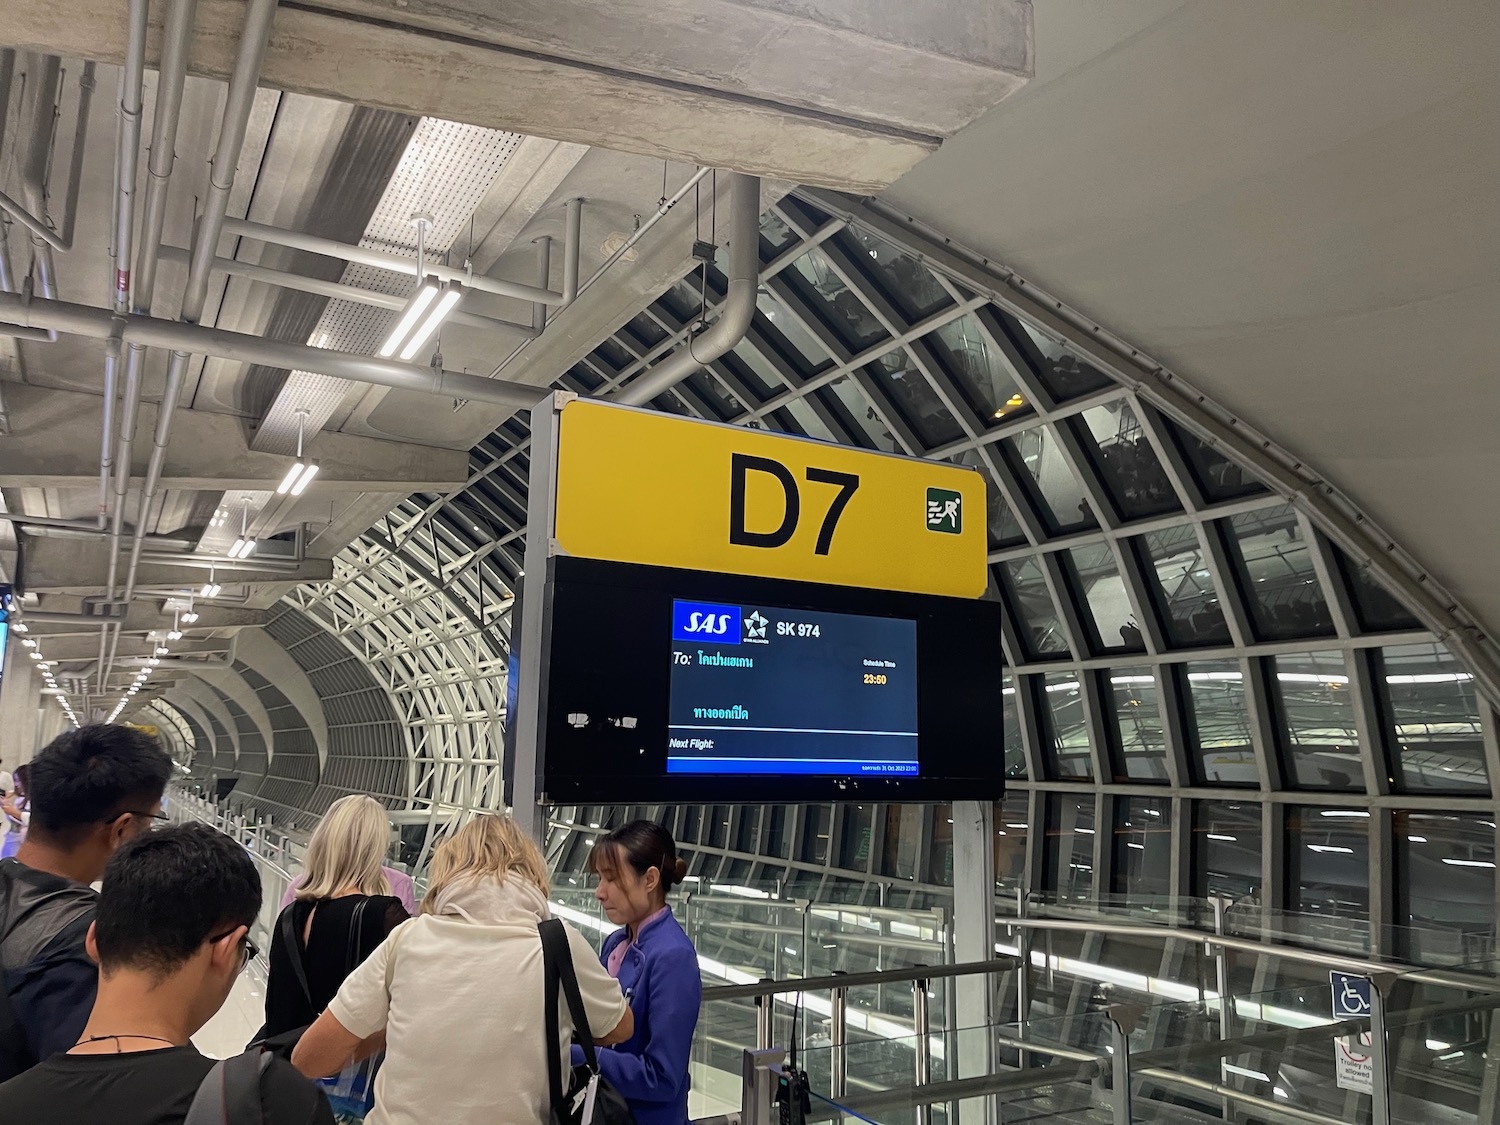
333, 950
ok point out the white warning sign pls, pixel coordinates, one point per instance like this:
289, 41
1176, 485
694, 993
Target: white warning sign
1352, 1065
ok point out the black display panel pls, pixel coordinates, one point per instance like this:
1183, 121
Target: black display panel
668, 685
771, 690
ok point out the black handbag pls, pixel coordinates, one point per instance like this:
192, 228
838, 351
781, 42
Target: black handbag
589, 1098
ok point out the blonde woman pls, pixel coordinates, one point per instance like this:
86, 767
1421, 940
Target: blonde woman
342, 911
457, 996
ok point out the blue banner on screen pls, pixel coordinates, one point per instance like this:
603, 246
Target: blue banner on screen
701, 621
762, 690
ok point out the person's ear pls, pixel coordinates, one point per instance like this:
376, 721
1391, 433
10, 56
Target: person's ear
91, 942
226, 953
119, 831
651, 880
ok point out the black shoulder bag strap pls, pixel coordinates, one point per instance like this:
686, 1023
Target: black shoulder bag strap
555, 944
293, 942
230, 1093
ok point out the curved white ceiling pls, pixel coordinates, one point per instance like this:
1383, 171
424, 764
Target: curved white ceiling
1296, 207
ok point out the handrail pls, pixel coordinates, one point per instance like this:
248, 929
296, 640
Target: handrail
857, 980
1472, 982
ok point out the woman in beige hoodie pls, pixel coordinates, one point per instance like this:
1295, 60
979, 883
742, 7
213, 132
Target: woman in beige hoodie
456, 995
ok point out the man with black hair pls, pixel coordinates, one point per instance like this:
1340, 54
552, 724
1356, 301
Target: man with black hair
172, 934
91, 790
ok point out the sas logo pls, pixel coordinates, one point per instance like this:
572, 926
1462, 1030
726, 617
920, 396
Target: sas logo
700, 621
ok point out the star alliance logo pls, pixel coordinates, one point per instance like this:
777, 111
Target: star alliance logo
755, 627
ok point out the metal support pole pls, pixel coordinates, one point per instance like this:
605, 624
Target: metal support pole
1380, 1049
974, 940
1023, 975
922, 1024
838, 1038
543, 273
765, 1010
571, 235
1123, 1019
1221, 906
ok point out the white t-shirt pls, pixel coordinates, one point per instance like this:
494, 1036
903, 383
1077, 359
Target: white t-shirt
464, 1020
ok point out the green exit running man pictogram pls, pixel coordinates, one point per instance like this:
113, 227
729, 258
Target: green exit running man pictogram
944, 511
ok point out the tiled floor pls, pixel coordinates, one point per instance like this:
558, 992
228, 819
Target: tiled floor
238, 1020
714, 1092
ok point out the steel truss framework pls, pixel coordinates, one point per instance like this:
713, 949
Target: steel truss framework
1220, 677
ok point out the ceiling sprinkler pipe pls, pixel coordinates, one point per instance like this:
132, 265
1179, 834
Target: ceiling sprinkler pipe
176, 39
735, 314
397, 263
242, 347
572, 233
253, 271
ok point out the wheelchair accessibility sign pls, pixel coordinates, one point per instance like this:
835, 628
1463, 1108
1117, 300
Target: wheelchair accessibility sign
1352, 1054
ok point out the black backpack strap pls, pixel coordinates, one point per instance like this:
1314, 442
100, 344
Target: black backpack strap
293, 942
555, 943
15, 1050
230, 1093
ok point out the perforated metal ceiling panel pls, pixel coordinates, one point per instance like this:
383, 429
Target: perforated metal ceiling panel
444, 173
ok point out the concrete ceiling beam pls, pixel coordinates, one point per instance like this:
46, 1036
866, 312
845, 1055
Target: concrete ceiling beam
80, 566
839, 93
208, 452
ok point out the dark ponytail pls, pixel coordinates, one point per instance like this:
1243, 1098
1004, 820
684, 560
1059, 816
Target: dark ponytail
644, 845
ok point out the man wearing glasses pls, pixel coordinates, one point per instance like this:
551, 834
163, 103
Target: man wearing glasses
172, 933
92, 790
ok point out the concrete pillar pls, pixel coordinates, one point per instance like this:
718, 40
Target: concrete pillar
20, 702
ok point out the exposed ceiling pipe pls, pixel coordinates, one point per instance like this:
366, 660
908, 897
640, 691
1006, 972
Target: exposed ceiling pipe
101, 324
188, 660
629, 244
8, 284
45, 617
80, 141
32, 214
735, 313
38, 117
7, 280
238, 104
116, 449
572, 233
317, 286
380, 259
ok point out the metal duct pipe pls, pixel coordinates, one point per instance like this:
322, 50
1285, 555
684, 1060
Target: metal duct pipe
38, 118
315, 285
8, 284
47, 617
221, 562
238, 104
49, 521
640, 232
572, 233
36, 165
80, 141
100, 324
7, 72
543, 273
735, 313
361, 255
188, 660
116, 450
176, 39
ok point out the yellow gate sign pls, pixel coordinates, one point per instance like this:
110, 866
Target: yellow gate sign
642, 487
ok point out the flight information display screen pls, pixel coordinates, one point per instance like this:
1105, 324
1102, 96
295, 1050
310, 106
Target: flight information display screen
758, 689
